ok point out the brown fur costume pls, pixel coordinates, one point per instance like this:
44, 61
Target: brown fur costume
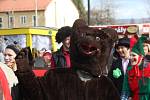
90, 50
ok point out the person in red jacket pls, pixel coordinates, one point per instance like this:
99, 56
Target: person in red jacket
61, 58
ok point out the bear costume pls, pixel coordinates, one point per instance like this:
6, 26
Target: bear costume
90, 50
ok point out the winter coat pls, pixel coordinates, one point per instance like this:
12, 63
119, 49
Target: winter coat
137, 83
117, 64
64, 84
59, 60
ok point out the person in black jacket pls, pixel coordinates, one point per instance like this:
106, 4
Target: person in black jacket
119, 65
61, 58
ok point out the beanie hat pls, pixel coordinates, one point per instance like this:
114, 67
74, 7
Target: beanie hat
63, 33
123, 42
14, 48
138, 47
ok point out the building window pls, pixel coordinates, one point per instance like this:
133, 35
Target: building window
34, 20
23, 19
11, 21
1, 21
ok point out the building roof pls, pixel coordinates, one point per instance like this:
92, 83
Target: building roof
22, 5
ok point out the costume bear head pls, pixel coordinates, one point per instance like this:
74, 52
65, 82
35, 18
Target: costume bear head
90, 48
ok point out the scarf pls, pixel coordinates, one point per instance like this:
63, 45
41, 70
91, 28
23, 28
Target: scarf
10, 75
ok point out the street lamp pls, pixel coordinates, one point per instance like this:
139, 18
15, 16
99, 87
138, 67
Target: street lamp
88, 12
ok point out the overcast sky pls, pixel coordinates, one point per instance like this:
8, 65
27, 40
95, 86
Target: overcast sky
125, 8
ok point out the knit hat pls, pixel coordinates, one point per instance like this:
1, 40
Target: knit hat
138, 47
123, 42
62, 33
14, 48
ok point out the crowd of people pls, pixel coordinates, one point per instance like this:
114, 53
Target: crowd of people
129, 71
9, 84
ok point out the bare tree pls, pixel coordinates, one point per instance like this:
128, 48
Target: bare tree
104, 14
80, 7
